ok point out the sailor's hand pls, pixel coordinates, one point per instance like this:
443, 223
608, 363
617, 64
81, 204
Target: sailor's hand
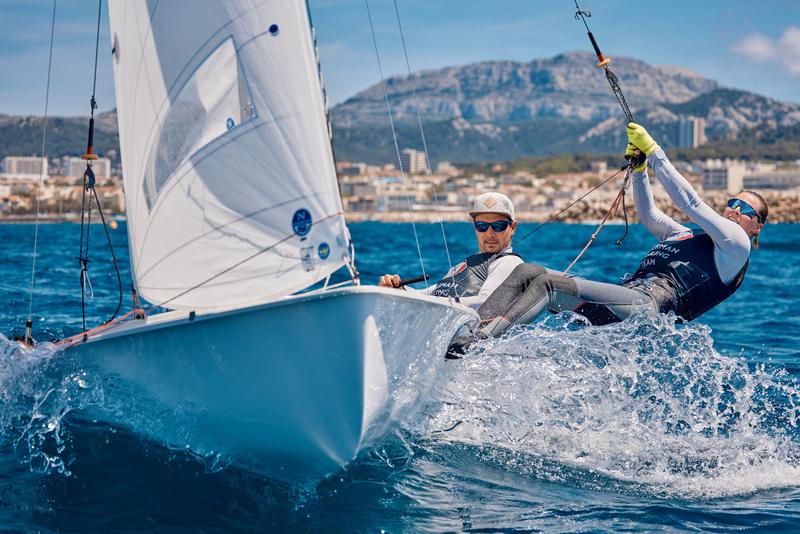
638, 137
389, 280
636, 157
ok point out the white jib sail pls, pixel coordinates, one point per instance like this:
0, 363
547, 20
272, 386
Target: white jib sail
229, 179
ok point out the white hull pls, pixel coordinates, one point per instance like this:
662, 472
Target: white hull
292, 388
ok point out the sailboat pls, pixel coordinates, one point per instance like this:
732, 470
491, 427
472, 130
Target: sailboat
235, 227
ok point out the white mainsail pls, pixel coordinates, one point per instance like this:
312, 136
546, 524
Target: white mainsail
229, 178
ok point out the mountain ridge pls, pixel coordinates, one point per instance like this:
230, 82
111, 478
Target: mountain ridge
494, 110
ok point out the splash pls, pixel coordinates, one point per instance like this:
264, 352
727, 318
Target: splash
38, 391
644, 402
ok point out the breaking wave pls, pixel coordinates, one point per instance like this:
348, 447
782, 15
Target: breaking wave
645, 405
37, 393
41, 389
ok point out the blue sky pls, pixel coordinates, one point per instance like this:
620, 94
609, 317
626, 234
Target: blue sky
743, 44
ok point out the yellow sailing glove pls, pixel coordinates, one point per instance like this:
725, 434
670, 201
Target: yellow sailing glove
638, 137
636, 157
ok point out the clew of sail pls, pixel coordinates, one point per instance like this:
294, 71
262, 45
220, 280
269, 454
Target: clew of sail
230, 184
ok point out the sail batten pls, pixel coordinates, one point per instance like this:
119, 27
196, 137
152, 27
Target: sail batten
229, 176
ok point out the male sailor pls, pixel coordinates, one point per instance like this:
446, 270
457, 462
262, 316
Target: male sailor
688, 272
475, 278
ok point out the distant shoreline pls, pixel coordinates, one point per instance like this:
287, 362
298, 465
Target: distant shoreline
424, 217
53, 219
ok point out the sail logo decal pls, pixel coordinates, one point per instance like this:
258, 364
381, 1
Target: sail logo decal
324, 250
307, 257
301, 222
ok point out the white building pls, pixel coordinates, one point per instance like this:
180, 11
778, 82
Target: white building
775, 179
413, 161
691, 132
727, 175
24, 167
445, 167
599, 167
77, 166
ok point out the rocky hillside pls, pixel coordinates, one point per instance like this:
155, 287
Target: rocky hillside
66, 136
566, 86
498, 110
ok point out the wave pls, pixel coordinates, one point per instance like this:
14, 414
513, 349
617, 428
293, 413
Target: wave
647, 403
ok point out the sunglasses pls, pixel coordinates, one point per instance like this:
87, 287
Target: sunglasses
745, 209
497, 226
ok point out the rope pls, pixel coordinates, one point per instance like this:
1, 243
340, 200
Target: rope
86, 205
96, 49
113, 255
562, 210
613, 209
394, 136
554, 215
86, 225
29, 321
424, 144
613, 81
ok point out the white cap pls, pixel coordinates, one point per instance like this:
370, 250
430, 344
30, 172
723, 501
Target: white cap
493, 203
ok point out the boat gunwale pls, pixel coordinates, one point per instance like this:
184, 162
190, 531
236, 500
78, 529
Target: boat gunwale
175, 317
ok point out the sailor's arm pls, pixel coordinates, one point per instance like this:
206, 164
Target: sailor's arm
656, 221
727, 235
393, 280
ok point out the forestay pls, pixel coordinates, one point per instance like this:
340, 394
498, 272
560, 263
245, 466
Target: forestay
229, 178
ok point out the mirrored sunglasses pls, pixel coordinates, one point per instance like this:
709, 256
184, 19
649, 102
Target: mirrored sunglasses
497, 226
745, 209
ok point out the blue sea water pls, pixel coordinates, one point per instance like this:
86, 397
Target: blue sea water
557, 426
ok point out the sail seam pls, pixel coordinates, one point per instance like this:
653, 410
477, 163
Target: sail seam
229, 223
238, 264
210, 149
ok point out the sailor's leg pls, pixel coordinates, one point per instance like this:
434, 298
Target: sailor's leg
528, 294
604, 303
600, 302
508, 300
508, 293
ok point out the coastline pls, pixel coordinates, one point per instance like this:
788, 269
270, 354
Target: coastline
784, 207
47, 218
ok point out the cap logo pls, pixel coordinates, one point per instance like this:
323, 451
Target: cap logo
489, 202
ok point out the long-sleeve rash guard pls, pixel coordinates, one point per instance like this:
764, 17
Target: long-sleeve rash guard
499, 270
731, 243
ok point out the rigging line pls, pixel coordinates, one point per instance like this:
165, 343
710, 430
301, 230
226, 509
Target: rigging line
611, 210
613, 81
553, 216
568, 206
96, 48
424, 141
113, 255
28, 324
603, 62
394, 136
